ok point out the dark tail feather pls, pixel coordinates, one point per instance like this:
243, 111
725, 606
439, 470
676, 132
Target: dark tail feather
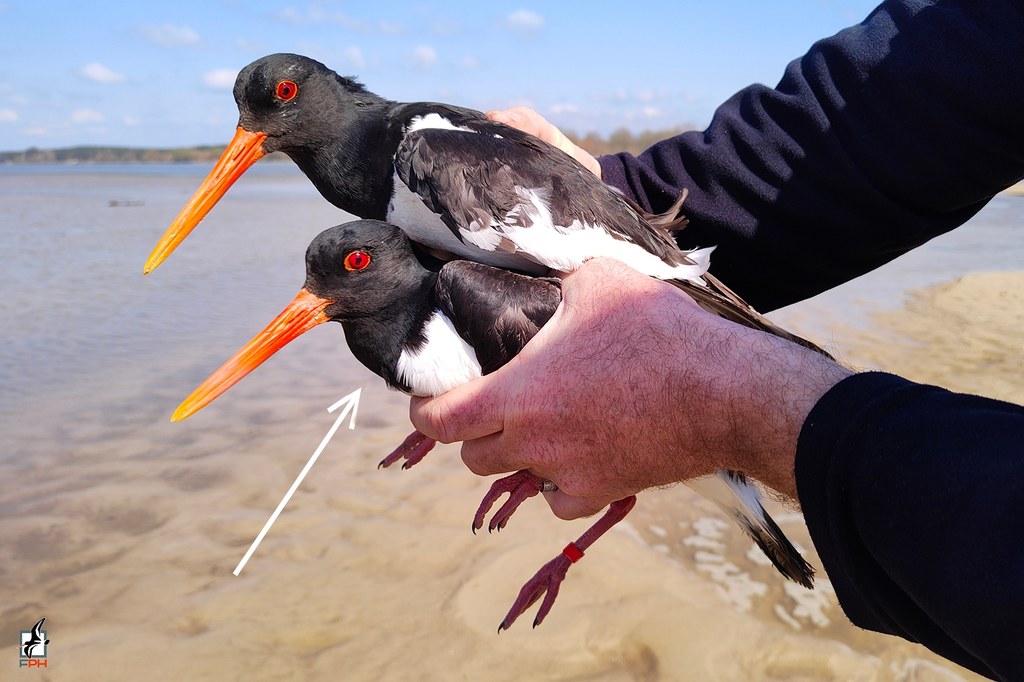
777, 547
740, 499
673, 219
668, 222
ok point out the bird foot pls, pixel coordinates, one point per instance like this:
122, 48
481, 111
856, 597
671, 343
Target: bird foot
520, 486
414, 448
544, 583
548, 579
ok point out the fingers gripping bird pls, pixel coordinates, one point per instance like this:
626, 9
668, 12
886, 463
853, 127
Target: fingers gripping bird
426, 327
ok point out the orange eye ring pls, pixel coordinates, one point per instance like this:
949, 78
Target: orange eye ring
357, 260
286, 91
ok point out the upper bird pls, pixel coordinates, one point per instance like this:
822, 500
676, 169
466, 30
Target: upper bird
453, 180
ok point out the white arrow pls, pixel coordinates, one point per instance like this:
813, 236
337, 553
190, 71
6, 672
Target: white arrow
351, 403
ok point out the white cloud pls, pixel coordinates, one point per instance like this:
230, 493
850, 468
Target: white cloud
524, 22
100, 74
8, 116
170, 35
651, 112
563, 109
87, 116
131, 121
469, 63
220, 79
354, 56
424, 57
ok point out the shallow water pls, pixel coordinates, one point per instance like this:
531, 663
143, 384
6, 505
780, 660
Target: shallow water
122, 529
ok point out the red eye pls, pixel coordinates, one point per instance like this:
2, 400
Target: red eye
286, 91
357, 260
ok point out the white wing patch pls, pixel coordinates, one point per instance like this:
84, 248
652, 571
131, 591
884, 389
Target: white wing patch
433, 121
567, 247
442, 363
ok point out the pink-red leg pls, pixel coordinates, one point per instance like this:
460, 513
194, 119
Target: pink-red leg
520, 486
551, 574
414, 448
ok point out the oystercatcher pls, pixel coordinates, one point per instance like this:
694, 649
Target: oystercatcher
426, 327
453, 180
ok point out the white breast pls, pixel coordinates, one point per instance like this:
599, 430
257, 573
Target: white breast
442, 363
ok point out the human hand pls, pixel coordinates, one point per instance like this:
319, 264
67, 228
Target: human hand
630, 385
529, 121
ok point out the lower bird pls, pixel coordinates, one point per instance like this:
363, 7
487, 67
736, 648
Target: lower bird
426, 327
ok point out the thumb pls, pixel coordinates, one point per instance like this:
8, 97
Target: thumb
466, 412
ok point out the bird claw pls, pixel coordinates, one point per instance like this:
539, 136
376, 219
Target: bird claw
520, 486
544, 583
413, 449
548, 579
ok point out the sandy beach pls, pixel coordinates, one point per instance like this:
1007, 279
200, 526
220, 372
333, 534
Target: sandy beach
125, 532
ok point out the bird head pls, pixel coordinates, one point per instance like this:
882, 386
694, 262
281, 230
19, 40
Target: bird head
281, 103
353, 271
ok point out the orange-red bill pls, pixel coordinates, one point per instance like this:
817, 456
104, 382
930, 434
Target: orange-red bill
302, 314
245, 149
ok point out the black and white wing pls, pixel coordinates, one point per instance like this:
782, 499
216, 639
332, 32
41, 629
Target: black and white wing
500, 190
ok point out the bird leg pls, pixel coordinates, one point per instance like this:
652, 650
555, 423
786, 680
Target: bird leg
551, 574
414, 448
520, 486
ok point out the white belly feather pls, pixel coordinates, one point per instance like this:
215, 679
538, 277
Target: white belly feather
442, 363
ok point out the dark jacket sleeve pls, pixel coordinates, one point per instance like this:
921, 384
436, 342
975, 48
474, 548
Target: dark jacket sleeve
878, 139
914, 497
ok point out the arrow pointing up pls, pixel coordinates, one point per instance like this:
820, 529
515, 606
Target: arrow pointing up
351, 404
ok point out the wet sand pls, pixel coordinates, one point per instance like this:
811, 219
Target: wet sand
125, 536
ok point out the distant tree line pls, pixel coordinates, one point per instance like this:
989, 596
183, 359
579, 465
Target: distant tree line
621, 140
112, 155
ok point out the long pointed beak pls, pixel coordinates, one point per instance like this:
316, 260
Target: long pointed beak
302, 314
245, 149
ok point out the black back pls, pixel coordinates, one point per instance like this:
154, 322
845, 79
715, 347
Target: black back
495, 311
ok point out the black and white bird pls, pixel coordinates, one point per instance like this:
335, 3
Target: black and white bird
426, 327
453, 180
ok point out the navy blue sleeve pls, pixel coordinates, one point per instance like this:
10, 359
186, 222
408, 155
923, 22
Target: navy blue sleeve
878, 139
914, 497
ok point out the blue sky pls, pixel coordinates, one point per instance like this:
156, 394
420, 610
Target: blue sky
159, 74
